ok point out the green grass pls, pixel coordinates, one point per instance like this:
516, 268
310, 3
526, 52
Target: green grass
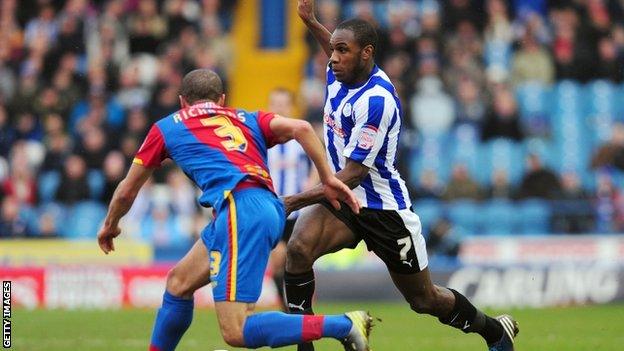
596, 328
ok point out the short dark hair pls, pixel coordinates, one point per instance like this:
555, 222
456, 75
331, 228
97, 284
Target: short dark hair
363, 31
201, 84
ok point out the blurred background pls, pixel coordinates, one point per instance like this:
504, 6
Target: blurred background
512, 144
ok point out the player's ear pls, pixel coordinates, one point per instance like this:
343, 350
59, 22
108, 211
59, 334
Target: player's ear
183, 102
367, 52
221, 101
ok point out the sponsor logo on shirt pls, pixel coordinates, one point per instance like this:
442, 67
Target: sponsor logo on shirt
366, 140
332, 125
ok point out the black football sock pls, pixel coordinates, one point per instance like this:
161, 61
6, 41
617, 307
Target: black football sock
299, 291
469, 319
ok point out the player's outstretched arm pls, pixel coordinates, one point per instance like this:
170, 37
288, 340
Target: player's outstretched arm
305, 9
122, 201
351, 175
332, 188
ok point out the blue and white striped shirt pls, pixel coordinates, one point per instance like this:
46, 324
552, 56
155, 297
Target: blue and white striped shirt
290, 168
363, 123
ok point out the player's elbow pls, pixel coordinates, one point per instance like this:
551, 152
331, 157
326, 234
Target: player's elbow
301, 128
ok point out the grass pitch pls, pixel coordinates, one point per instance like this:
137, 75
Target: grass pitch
595, 328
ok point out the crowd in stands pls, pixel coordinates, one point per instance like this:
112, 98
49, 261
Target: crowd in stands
512, 109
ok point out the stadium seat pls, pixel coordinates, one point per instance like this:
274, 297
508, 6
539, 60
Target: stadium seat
534, 217
96, 182
601, 99
463, 148
428, 154
501, 154
83, 220
429, 211
534, 105
48, 184
499, 217
465, 215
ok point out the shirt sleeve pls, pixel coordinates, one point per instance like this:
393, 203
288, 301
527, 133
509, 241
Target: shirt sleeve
153, 150
372, 119
264, 121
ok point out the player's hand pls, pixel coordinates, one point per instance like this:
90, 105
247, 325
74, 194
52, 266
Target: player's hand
336, 191
105, 238
289, 205
305, 9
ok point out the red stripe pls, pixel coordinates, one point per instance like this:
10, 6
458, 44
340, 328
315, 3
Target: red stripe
312, 327
228, 284
153, 348
251, 156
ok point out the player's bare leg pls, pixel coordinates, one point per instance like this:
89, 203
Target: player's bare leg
190, 273
176, 313
277, 262
317, 232
451, 308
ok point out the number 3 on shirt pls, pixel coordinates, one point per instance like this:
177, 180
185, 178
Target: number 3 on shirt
235, 139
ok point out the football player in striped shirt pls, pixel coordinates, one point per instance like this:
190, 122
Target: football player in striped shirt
223, 150
362, 123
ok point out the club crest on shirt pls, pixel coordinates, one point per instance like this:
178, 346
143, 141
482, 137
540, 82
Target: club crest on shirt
347, 110
366, 140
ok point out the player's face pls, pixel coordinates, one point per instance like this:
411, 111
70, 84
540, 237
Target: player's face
348, 59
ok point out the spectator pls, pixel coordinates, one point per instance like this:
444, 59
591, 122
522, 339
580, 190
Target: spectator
57, 149
502, 119
611, 154
532, 63
469, 107
609, 64
97, 111
500, 187
7, 133
12, 222
429, 186
609, 204
573, 214
21, 183
114, 171
432, 108
146, 28
74, 186
538, 181
461, 186
27, 127
93, 148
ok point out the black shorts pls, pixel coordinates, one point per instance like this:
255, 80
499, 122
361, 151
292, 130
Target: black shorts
393, 235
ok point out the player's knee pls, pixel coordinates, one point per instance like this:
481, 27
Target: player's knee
298, 254
178, 285
423, 303
233, 336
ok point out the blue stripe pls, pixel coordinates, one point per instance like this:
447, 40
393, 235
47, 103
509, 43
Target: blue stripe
373, 199
272, 24
395, 187
375, 114
282, 153
331, 148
